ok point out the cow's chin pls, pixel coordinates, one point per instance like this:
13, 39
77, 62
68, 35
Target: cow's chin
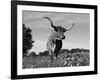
63, 38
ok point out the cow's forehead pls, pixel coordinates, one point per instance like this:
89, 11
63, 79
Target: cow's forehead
60, 27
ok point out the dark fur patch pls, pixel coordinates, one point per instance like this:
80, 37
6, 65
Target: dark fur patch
58, 47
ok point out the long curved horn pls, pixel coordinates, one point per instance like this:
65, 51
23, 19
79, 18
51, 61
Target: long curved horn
50, 21
70, 27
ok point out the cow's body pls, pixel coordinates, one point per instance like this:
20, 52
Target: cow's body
54, 43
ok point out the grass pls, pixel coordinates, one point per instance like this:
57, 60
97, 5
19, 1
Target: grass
63, 60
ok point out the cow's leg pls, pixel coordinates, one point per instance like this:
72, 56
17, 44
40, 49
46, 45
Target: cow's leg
52, 55
50, 52
56, 52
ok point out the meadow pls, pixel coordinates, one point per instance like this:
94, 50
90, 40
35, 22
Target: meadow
63, 60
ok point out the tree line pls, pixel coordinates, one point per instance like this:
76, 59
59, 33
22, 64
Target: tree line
63, 51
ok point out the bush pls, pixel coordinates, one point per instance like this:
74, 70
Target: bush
65, 51
32, 54
45, 53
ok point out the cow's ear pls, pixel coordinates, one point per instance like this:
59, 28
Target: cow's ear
56, 29
64, 30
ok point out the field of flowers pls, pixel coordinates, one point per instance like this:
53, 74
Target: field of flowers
63, 60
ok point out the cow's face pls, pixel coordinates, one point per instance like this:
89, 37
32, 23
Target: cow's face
60, 32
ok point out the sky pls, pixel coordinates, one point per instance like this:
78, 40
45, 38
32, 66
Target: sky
77, 37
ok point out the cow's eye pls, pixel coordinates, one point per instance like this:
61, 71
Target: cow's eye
64, 30
60, 29
56, 29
